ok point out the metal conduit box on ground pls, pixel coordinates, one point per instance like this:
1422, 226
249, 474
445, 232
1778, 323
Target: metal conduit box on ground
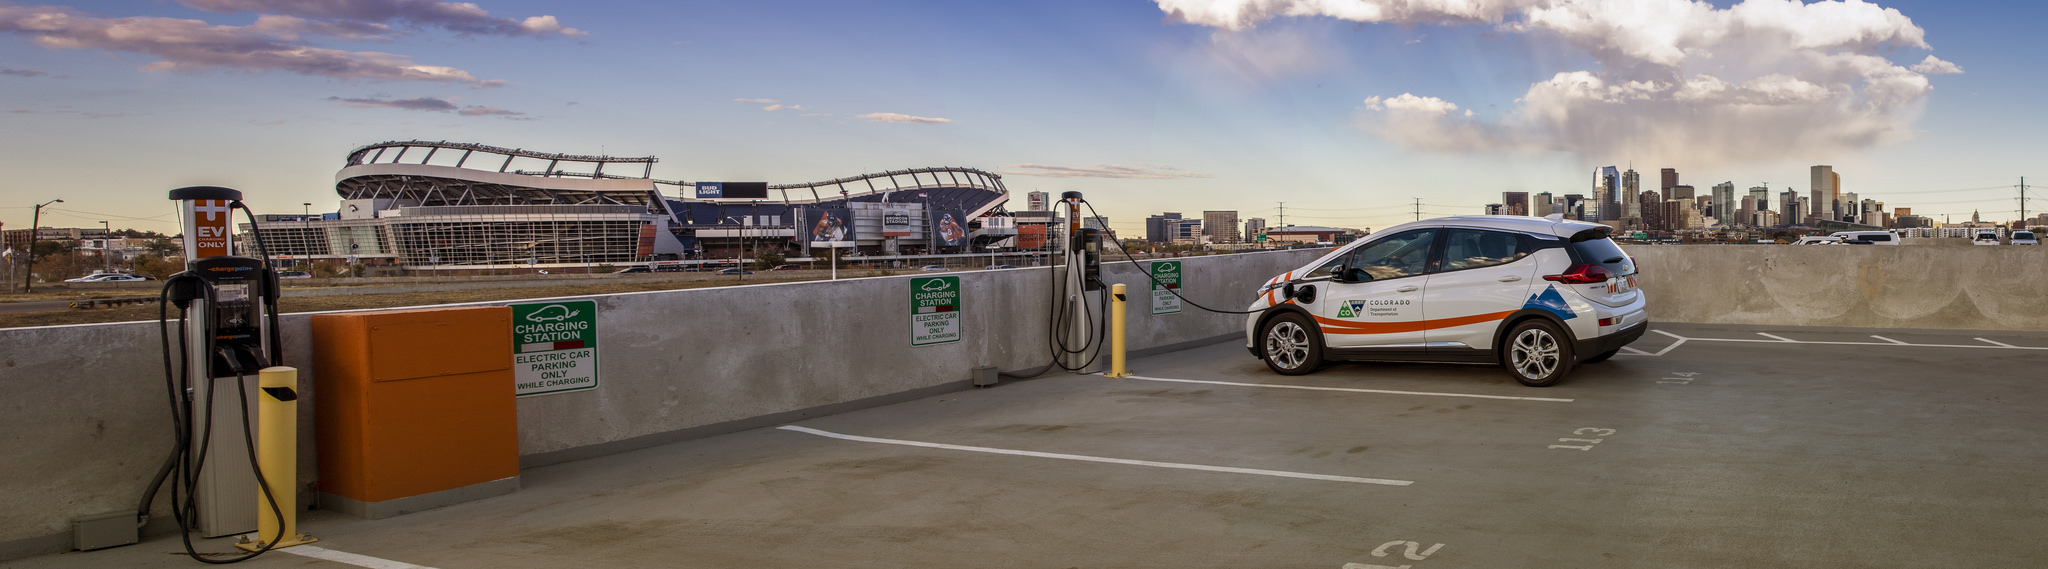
415, 408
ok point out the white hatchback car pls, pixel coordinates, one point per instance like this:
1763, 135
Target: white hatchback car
1535, 295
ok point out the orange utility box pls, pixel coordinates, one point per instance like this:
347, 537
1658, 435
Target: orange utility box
415, 408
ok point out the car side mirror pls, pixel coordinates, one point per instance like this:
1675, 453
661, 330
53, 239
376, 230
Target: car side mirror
1353, 275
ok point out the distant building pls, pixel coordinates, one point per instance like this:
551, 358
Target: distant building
1826, 191
1162, 228
1631, 192
1253, 228
1575, 207
1514, 203
1789, 208
1670, 178
1305, 234
1606, 193
1679, 192
1039, 201
1724, 200
1496, 209
1220, 226
1653, 217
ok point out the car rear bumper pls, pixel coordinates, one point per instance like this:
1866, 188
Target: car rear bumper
1603, 344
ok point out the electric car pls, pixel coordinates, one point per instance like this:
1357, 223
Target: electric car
1537, 295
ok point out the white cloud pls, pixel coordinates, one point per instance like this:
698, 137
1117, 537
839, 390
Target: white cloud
1118, 171
193, 45
1676, 79
895, 117
459, 17
753, 100
1935, 66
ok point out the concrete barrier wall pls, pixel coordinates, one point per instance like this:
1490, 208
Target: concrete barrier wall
87, 422
1966, 288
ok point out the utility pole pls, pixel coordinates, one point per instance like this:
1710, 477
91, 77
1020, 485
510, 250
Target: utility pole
1283, 215
1418, 209
28, 282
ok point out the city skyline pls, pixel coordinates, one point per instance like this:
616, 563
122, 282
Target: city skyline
1347, 116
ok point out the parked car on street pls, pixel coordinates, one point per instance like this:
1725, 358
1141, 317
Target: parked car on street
787, 268
109, 278
1535, 295
294, 275
994, 267
734, 272
1868, 237
932, 268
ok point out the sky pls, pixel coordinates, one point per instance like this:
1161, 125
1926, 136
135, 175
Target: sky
1344, 113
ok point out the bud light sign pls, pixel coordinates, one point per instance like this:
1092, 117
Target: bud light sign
710, 190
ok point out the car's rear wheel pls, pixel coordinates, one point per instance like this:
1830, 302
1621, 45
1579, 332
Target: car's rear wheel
1290, 345
1537, 353
1600, 357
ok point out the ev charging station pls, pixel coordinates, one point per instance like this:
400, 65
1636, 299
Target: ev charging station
225, 347
1083, 288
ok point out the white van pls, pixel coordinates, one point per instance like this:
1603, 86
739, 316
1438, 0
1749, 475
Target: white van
1871, 237
2024, 238
1985, 238
1818, 240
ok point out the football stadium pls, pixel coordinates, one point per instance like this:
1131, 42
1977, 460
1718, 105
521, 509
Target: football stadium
449, 206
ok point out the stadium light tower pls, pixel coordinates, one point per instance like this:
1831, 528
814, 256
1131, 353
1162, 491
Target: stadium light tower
28, 283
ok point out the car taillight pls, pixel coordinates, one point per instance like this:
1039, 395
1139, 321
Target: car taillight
1582, 273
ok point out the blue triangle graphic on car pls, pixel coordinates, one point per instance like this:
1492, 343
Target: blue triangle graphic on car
1551, 301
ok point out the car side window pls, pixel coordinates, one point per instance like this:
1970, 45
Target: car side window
1475, 248
1403, 254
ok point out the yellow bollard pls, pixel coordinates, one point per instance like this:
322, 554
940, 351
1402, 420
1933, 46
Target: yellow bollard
1116, 333
277, 452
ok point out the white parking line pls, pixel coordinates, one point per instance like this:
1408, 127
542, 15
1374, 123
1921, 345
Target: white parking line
1346, 389
1634, 352
1084, 458
1887, 342
349, 558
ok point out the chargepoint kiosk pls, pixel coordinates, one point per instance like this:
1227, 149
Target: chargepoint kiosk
1083, 288
227, 343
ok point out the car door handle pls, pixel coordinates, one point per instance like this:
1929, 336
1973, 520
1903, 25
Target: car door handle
1409, 288
1510, 278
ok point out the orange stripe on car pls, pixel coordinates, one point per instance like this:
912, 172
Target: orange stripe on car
1334, 326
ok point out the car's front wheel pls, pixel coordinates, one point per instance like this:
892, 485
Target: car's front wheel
1537, 353
1290, 345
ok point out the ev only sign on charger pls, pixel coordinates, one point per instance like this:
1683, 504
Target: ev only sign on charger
934, 310
554, 347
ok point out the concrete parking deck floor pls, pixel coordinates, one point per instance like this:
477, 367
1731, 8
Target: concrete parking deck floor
1707, 446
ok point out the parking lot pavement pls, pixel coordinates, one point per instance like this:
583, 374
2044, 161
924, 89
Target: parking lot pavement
1826, 448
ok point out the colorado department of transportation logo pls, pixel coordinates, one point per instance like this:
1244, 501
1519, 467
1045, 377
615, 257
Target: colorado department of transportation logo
1351, 309
554, 347
934, 310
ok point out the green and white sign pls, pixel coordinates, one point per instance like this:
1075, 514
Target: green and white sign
934, 310
554, 347
1165, 285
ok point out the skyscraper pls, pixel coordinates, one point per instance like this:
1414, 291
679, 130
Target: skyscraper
1653, 210
1788, 207
1670, 179
1220, 226
1606, 190
1762, 195
1680, 192
1575, 207
1724, 202
1631, 194
1542, 204
1253, 227
1825, 194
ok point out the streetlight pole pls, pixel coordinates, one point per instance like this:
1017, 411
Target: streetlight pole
28, 283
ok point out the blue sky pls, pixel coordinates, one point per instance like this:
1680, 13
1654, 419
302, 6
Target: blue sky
1174, 105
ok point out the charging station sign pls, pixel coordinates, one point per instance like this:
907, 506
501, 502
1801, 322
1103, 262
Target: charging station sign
1165, 287
554, 347
934, 310
209, 227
